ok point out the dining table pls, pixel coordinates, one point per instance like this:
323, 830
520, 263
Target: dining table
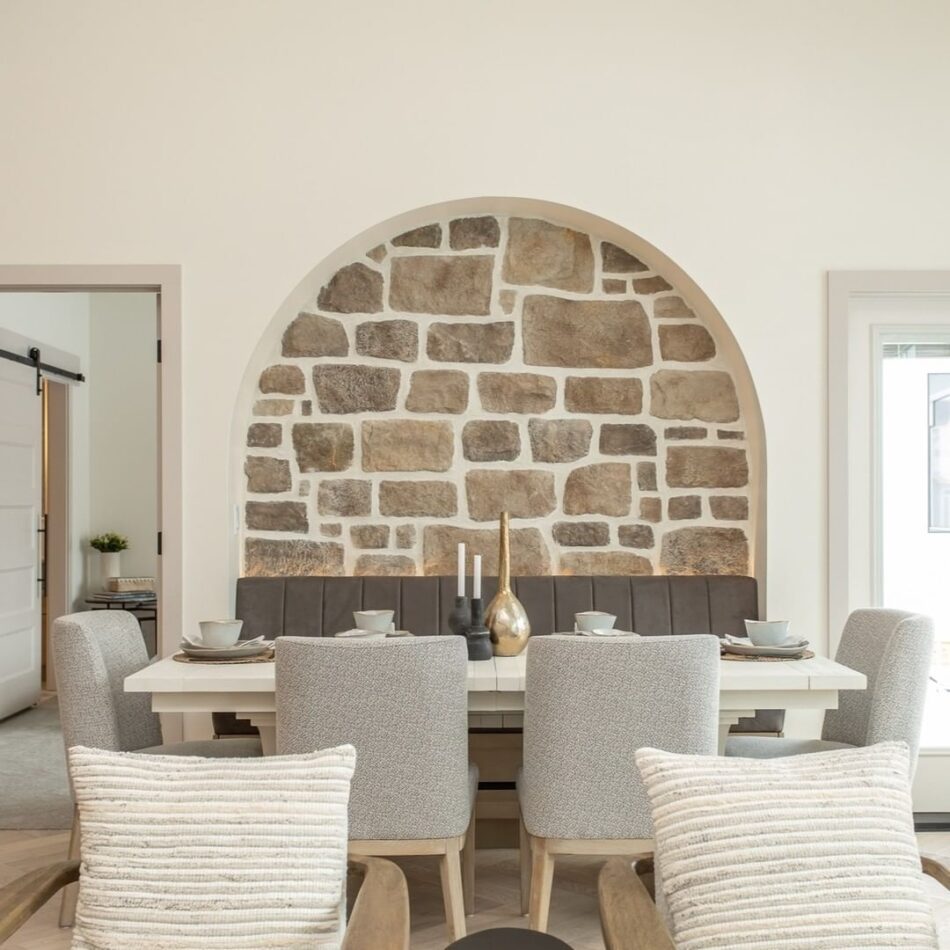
496, 690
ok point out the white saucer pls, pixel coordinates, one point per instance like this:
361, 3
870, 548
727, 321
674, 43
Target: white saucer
734, 645
240, 644
604, 633
746, 642
356, 634
239, 650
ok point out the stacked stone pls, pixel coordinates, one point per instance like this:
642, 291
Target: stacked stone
495, 363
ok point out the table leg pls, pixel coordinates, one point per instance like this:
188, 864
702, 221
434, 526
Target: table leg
729, 718
723, 735
267, 726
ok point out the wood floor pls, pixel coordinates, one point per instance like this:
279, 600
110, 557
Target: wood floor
573, 906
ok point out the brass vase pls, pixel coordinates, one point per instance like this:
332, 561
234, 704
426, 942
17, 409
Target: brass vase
506, 617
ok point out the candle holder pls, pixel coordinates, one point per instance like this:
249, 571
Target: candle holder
479, 640
460, 617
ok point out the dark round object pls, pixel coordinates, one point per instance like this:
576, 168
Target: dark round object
509, 938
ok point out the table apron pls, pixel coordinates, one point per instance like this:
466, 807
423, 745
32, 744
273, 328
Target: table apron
235, 701
495, 702
779, 699
732, 702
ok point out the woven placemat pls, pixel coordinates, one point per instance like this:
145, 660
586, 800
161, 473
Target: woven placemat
267, 657
807, 655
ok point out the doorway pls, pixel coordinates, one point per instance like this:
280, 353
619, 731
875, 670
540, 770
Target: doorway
165, 283
84, 371
913, 504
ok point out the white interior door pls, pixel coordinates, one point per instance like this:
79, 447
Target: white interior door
21, 487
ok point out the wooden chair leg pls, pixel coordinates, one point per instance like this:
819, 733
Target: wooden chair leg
468, 867
452, 895
542, 877
67, 908
524, 864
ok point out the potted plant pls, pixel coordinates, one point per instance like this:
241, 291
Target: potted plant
109, 545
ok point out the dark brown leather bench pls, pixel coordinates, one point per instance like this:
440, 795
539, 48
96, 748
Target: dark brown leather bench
651, 606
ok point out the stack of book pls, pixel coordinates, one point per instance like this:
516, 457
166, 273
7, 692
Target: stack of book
130, 585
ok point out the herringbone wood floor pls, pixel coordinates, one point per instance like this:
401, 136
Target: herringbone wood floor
573, 907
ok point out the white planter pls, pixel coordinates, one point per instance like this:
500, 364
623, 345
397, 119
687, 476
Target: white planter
110, 565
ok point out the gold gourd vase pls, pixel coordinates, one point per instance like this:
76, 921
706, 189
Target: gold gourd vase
506, 618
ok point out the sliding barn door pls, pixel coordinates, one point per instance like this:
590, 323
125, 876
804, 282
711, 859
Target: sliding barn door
21, 489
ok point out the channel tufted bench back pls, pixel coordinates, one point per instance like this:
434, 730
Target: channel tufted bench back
650, 606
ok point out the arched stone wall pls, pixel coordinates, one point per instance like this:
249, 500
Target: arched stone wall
485, 359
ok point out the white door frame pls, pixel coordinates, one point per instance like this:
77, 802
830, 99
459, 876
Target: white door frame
853, 516
165, 282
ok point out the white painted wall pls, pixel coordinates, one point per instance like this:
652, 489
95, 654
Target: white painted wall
62, 321
123, 441
756, 144
54, 319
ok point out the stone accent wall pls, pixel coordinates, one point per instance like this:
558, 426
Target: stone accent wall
486, 363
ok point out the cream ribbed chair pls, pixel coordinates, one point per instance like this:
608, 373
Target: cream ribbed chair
893, 649
93, 653
589, 705
403, 704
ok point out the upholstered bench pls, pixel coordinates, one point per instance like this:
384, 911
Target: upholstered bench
651, 606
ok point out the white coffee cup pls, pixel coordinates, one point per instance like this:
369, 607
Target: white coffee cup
588, 620
380, 621
767, 633
219, 634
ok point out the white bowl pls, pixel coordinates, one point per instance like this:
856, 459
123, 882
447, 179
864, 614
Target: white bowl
588, 620
379, 621
218, 634
767, 633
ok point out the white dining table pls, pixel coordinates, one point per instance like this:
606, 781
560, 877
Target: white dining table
496, 690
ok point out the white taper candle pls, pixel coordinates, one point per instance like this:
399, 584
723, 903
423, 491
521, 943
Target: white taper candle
461, 570
477, 577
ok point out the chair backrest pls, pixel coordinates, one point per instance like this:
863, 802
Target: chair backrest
893, 649
589, 705
402, 703
93, 652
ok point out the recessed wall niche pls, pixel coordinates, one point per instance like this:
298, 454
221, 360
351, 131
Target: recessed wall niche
487, 361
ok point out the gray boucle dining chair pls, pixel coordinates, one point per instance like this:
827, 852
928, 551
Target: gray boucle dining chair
589, 705
403, 704
893, 649
93, 652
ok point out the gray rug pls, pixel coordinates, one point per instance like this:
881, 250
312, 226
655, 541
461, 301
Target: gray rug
34, 791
